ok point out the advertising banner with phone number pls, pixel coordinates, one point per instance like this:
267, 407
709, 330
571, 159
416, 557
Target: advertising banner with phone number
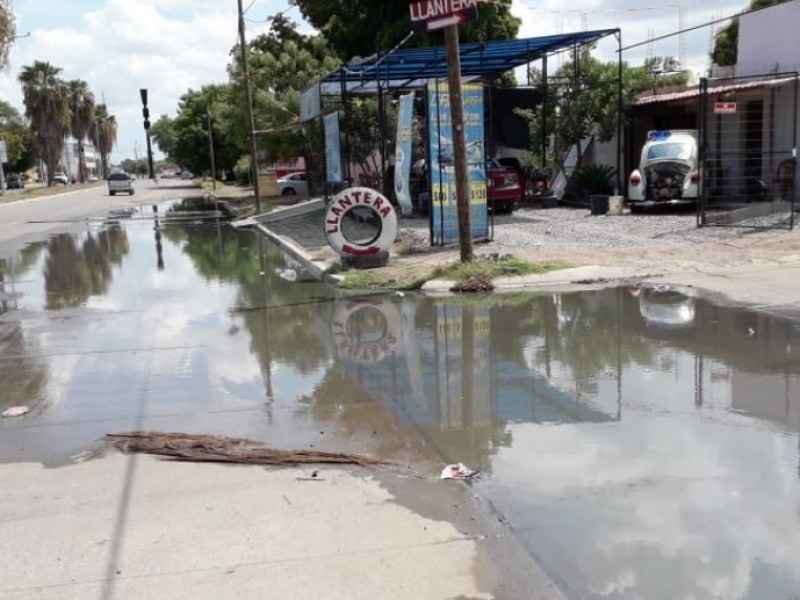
443, 210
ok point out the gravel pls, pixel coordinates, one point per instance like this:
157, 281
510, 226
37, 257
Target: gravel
533, 229
556, 227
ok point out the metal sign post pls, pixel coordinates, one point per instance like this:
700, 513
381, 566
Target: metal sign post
430, 15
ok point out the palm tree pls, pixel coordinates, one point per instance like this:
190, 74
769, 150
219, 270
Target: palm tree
46, 99
81, 101
104, 130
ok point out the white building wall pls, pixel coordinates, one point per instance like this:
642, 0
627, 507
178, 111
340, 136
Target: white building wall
768, 43
768, 40
70, 161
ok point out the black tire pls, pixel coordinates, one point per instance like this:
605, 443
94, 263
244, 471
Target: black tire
111, 193
636, 208
288, 192
131, 192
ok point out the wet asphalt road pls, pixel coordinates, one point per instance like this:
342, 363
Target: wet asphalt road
30, 220
641, 443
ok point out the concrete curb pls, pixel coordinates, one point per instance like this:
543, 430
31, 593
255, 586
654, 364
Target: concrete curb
295, 251
563, 277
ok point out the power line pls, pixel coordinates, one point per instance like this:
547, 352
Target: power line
687, 30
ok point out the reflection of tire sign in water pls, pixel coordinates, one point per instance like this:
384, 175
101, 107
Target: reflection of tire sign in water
365, 331
365, 198
399, 158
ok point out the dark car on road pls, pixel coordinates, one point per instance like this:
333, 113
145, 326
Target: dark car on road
14, 181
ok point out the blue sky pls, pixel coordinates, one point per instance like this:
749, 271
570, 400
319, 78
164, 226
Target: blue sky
170, 46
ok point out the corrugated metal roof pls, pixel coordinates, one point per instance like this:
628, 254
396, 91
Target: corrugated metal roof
412, 67
717, 88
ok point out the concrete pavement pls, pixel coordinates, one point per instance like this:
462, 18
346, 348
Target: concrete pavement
131, 527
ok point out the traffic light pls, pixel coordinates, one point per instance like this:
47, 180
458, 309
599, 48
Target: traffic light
145, 110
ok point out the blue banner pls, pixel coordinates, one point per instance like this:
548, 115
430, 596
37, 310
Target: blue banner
333, 156
444, 212
402, 153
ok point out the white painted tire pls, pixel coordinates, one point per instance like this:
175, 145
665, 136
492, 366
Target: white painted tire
360, 197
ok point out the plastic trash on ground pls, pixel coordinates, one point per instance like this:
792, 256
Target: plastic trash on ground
459, 471
15, 411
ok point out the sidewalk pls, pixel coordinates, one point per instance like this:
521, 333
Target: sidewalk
131, 527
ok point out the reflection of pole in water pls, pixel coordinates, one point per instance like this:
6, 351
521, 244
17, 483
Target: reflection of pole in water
8, 303
698, 380
4, 303
262, 263
468, 375
159, 246
620, 291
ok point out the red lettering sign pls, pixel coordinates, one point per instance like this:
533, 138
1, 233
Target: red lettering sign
429, 15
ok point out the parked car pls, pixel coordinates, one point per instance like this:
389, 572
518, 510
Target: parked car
534, 181
668, 170
14, 181
60, 178
187, 175
120, 182
294, 184
504, 188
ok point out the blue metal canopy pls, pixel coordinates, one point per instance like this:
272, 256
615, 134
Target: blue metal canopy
413, 67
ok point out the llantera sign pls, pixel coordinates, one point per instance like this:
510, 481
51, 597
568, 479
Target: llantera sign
430, 15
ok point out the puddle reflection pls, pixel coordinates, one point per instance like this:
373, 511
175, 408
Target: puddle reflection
642, 442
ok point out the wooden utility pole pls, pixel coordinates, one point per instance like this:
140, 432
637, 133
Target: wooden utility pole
459, 142
251, 125
211, 151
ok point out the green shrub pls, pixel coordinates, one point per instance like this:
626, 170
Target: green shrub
595, 179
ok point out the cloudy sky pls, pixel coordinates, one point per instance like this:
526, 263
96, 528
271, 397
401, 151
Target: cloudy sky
169, 46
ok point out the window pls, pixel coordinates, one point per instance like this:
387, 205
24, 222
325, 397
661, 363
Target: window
675, 150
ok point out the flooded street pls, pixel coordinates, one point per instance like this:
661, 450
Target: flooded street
642, 443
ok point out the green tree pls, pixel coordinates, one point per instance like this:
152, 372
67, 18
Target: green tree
360, 27
8, 32
726, 41
283, 63
162, 134
184, 138
81, 102
20, 143
137, 166
104, 131
583, 101
46, 98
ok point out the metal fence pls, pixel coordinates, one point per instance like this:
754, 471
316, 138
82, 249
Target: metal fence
748, 151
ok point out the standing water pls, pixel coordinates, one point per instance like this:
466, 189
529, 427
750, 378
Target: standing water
642, 443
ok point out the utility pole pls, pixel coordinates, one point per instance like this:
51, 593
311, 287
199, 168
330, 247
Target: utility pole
251, 125
459, 141
211, 151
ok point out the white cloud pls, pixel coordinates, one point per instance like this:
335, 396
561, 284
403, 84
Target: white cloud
638, 22
170, 46
119, 47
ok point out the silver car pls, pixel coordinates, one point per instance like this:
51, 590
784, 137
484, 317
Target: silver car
120, 182
294, 184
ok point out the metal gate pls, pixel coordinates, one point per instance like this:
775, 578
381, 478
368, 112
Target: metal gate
748, 151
